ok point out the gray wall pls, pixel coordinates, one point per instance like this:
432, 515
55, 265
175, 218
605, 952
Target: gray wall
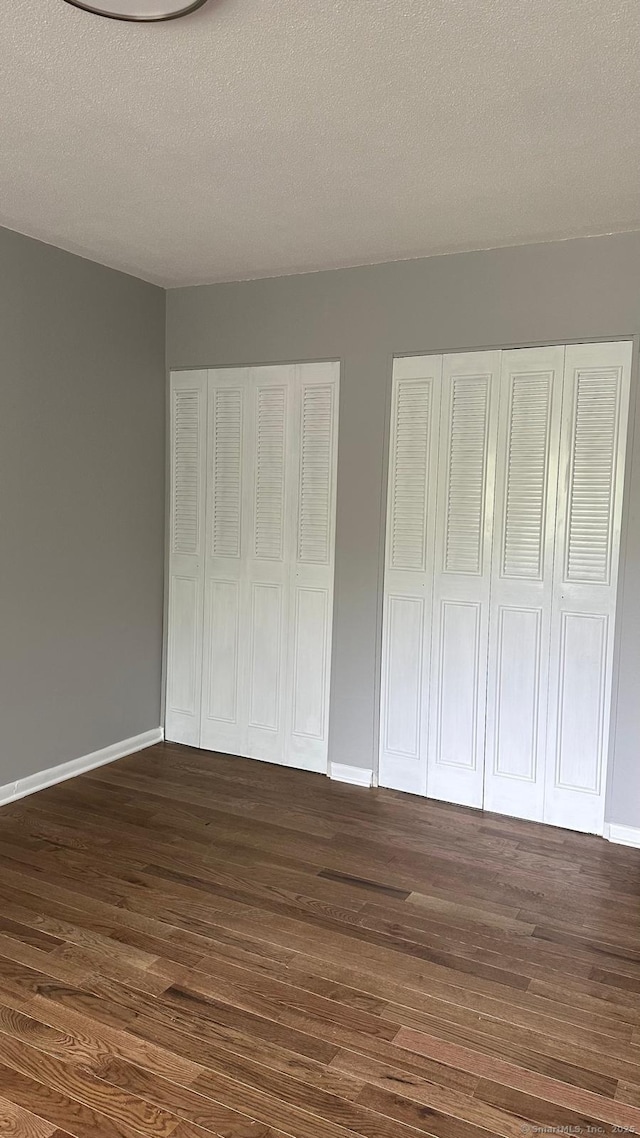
82, 391
572, 290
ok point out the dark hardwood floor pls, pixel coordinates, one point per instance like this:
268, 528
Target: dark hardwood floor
193, 945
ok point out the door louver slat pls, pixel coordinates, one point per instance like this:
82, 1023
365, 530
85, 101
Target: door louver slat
270, 472
526, 476
314, 514
409, 474
592, 482
186, 457
466, 474
227, 471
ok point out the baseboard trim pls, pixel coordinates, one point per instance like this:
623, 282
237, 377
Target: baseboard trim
622, 835
357, 776
49, 777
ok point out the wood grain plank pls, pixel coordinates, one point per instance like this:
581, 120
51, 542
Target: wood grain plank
80, 1084
70, 1115
196, 945
21, 1123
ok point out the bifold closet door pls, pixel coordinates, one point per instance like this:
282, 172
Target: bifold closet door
462, 577
438, 554
590, 489
187, 430
269, 445
413, 468
522, 580
503, 534
269, 564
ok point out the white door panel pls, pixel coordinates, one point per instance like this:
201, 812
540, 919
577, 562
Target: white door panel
522, 579
253, 493
223, 721
404, 657
269, 438
458, 732
311, 562
461, 577
413, 469
187, 434
592, 455
222, 623
310, 635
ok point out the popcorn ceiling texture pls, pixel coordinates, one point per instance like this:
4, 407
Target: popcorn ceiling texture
262, 137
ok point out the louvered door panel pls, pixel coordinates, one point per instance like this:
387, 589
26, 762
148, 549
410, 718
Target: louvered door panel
317, 427
409, 467
272, 462
461, 577
310, 601
408, 584
187, 434
466, 474
271, 491
525, 462
226, 473
592, 452
223, 717
187, 479
522, 580
596, 394
270, 449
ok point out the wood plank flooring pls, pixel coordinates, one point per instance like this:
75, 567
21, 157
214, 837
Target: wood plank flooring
196, 945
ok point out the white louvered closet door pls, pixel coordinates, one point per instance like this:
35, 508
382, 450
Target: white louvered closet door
522, 580
187, 430
592, 455
413, 466
269, 564
462, 577
498, 631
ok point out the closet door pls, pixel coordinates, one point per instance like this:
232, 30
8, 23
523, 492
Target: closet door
268, 611
224, 717
522, 580
187, 434
592, 454
251, 492
411, 502
462, 575
311, 530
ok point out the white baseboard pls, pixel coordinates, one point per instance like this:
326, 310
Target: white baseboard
622, 835
42, 779
357, 776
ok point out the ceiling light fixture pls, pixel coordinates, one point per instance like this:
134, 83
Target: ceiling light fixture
140, 10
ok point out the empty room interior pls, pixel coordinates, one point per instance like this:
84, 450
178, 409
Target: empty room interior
319, 568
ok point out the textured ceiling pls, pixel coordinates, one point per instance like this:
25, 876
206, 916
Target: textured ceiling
259, 137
